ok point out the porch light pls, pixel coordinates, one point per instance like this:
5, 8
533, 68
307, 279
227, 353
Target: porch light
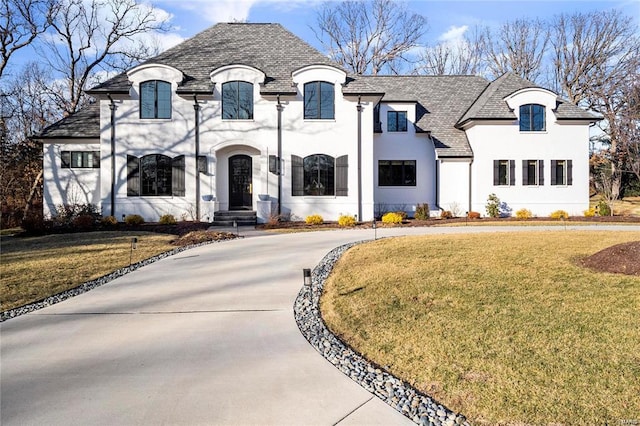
306, 275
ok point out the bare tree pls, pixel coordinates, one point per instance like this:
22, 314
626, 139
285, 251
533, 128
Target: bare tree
596, 61
92, 36
460, 56
518, 46
21, 21
367, 37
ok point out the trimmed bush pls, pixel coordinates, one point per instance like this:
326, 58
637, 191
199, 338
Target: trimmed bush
134, 219
493, 206
591, 212
559, 214
346, 221
392, 217
603, 208
314, 219
422, 211
446, 214
524, 214
402, 214
109, 221
167, 219
473, 215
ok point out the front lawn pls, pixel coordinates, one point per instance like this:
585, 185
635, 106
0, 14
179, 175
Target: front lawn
505, 328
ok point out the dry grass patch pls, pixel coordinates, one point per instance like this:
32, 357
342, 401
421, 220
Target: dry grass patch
506, 328
37, 267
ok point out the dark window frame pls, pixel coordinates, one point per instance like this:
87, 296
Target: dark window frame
533, 118
390, 174
317, 109
88, 159
240, 110
331, 176
399, 123
161, 176
162, 105
561, 172
504, 172
537, 177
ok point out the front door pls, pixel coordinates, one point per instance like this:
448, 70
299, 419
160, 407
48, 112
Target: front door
240, 183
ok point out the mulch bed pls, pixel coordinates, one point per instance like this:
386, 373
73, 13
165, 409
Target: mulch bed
620, 259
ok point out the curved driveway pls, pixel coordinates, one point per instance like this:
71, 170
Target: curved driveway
203, 337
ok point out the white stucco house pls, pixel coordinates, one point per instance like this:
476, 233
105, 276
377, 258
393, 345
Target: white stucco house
250, 117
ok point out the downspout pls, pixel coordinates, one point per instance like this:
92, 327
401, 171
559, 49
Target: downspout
437, 166
279, 107
112, 107
196, 108
359, 108
470, 183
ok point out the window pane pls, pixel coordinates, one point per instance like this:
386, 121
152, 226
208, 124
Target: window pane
148, 99
319, 175
560, 173
525, 118
164, 175
245, 109
392, 121
402, 121
311, 100
538, 118
326, 100
384, 173
409, 173
164, 99
230, 100
532, 172
503, 173
148, 174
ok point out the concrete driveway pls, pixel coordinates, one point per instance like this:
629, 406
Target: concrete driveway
203, 337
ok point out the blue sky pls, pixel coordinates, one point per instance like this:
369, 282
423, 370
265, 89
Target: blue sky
191, 16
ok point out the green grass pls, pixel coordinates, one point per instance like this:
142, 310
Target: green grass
505, 328
37, 267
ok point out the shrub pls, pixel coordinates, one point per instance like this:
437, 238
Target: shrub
524, 214
314, 219
591, 212
422, 211
402, 214
346, 220
392, 217
83, 221
109, 221
134, 219
446, 214
559, 214
603, 208
67, 213
493, 206
167, 219
473, 215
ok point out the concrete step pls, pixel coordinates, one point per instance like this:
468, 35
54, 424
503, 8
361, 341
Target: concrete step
240, 217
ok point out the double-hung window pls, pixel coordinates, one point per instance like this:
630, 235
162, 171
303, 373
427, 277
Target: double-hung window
396, 121
561, 172
397, 173
319, 97
237, 100
532, 172
155, 99
504, 172
532, 118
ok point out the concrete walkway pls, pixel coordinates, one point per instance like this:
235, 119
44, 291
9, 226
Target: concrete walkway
203, 337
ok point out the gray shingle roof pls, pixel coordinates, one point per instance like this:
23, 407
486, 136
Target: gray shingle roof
84, 124
441, 101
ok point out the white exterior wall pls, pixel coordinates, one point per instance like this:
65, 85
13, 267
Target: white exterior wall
504, 141
453, 185
68, 186
220, 139
404, 146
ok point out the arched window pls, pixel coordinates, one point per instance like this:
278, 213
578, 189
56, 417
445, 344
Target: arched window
237, 100
320, 174
155, 99
532, 118
319, 100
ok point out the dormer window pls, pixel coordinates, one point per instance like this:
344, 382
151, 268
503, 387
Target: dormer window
237, 100
319, 100
396, 121
532, 118
155, 99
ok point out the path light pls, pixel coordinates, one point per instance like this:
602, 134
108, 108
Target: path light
306, 276
375, 231
123, 216
134, 246
235, 226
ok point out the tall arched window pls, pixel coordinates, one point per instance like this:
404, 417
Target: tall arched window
155, 99
319, 100
532, 118
237, 100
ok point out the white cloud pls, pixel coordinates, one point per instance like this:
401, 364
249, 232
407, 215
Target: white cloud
454, 34
216, 11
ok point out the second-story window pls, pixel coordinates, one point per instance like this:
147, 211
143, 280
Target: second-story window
396, 121
532, 118
155, 99
319, 100
237, 100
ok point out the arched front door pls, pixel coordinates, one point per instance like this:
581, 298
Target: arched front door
240, 183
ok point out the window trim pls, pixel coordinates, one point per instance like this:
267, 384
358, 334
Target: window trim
251, 103
319, 115
510, 175
156, 100
403, 180
531, 111
135, 178
397, 121
340, 177
67, 157
539, 173
567, 173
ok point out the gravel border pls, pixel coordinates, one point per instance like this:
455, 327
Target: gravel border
90, 285
407, 400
